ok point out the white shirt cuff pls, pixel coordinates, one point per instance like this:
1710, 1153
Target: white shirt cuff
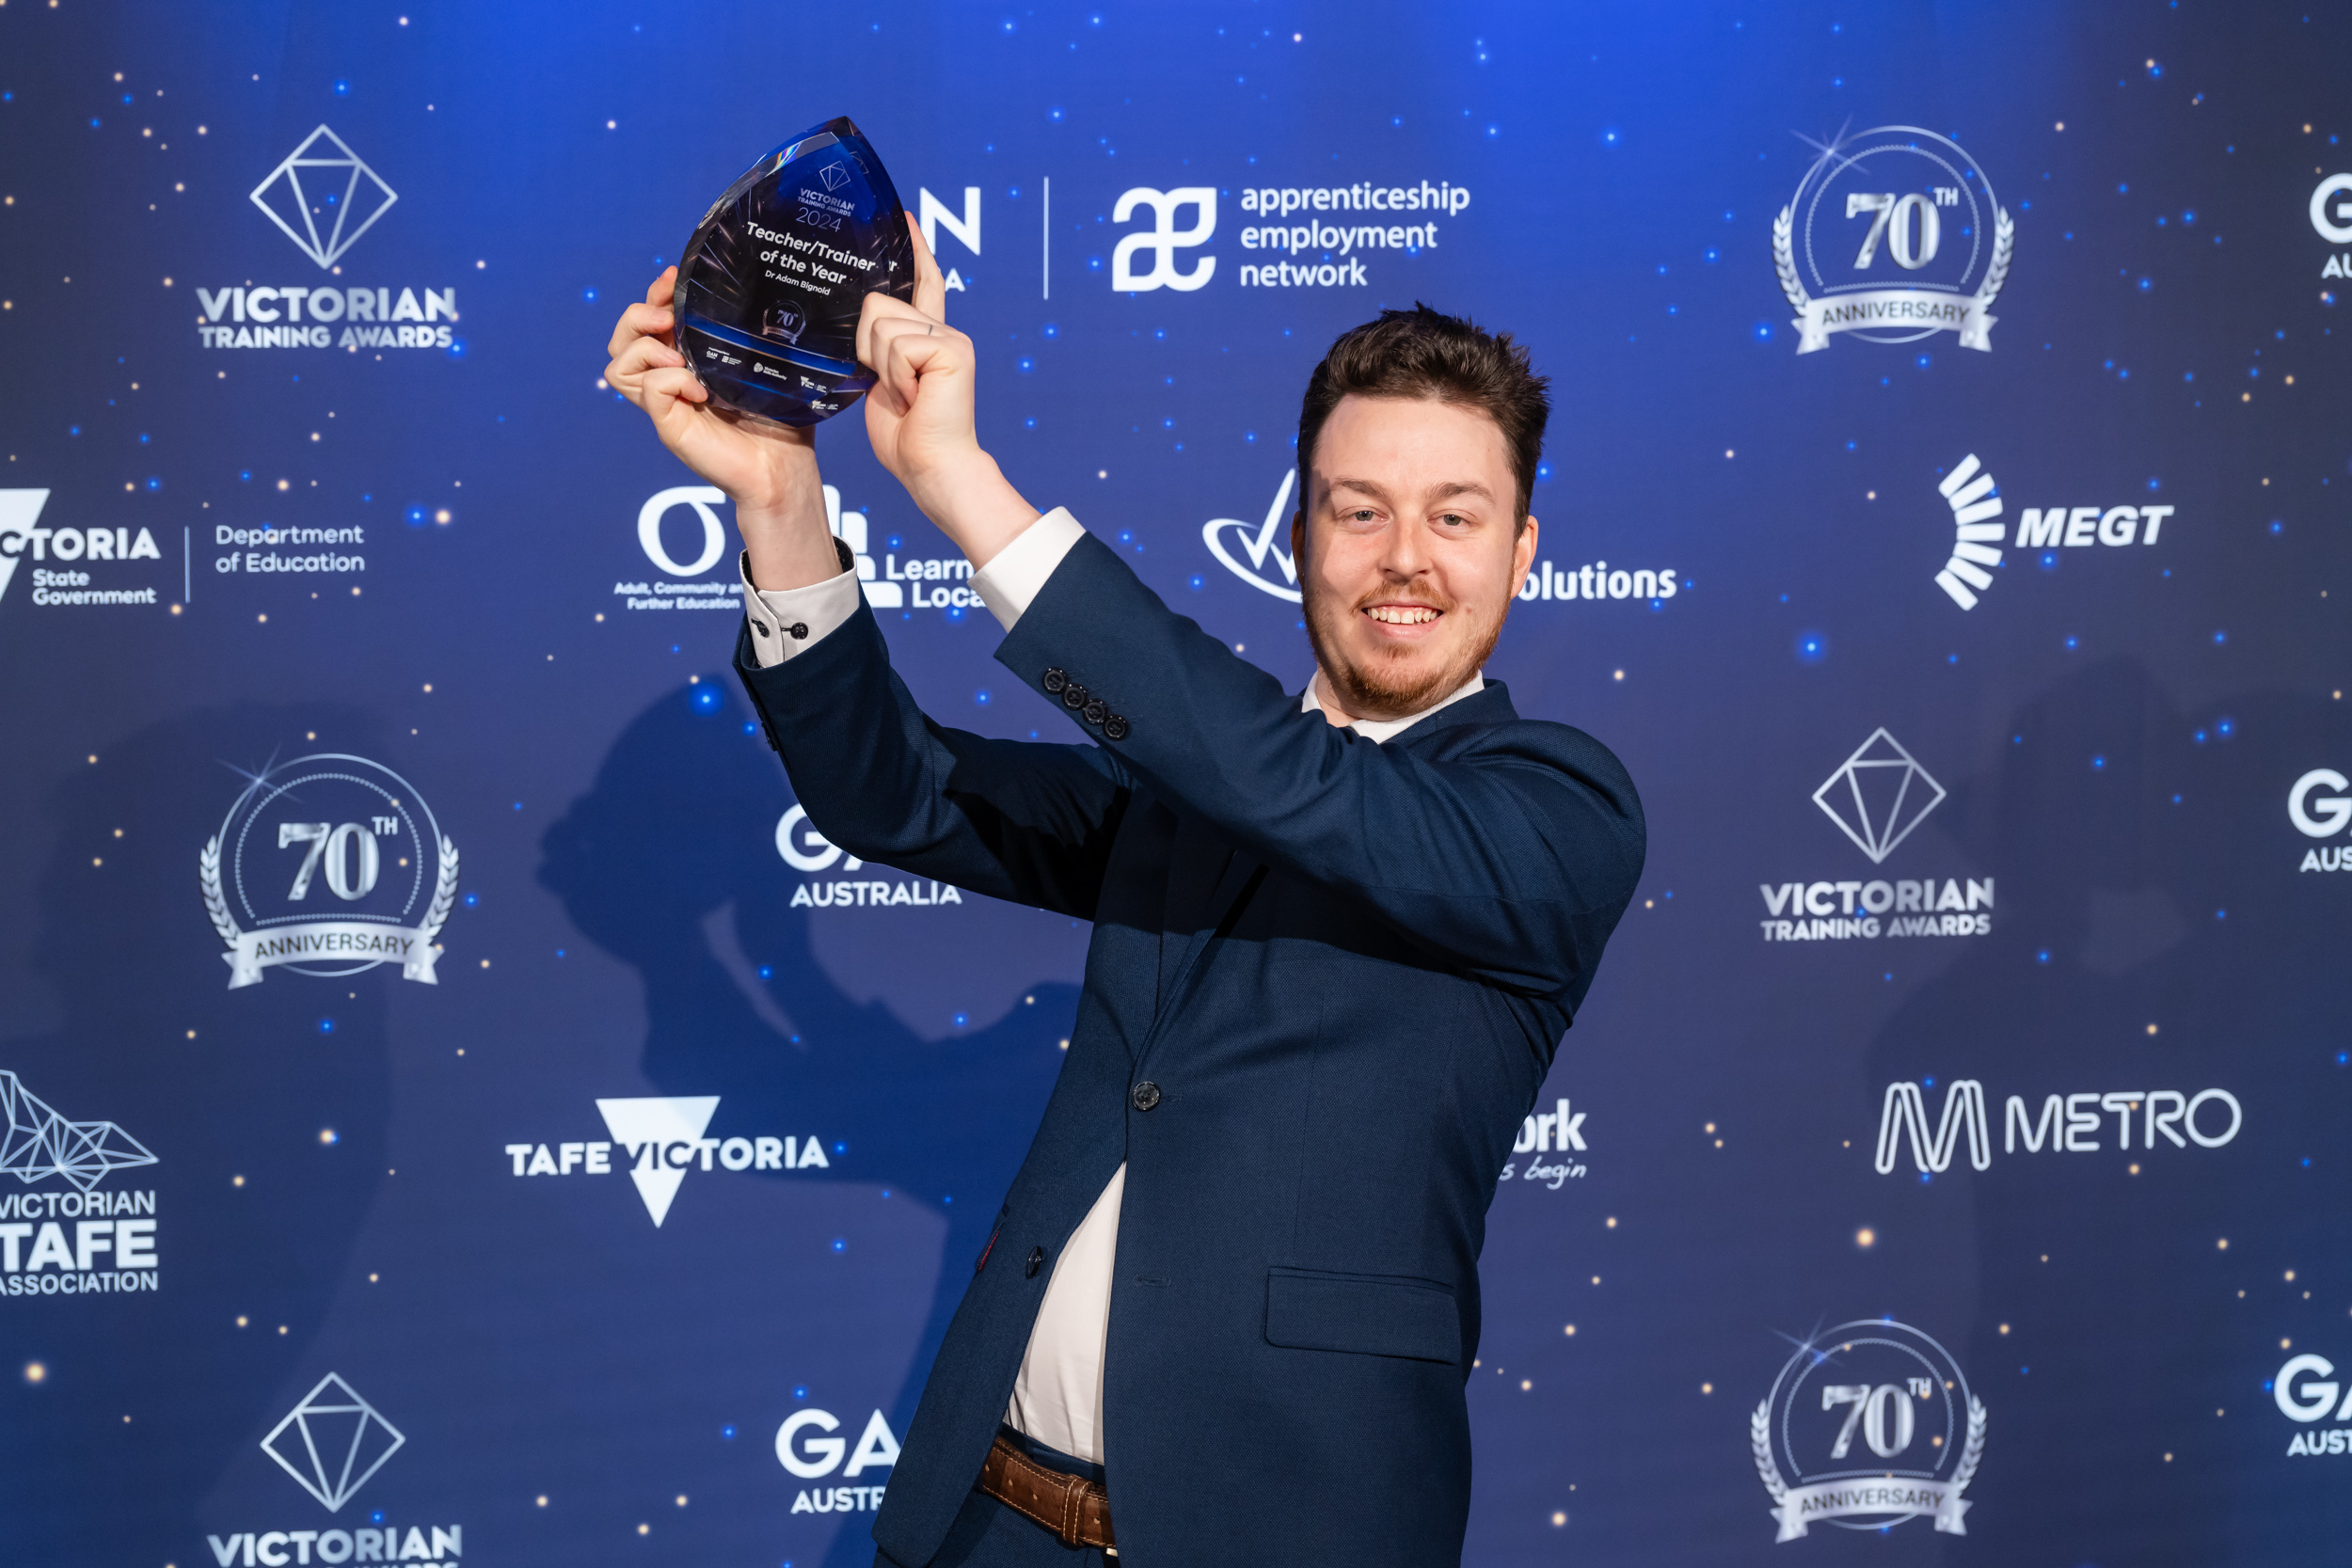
790, 621
1014, 577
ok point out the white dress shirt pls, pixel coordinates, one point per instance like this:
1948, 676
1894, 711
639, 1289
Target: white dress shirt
1057, 1399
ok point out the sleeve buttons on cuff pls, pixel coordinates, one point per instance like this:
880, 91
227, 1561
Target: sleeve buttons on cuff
1097, 710
1054, 680
1073, 696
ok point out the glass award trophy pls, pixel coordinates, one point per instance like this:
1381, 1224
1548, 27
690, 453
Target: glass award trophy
770, 286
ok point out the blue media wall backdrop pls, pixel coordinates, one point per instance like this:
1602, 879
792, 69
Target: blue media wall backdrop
460, 1110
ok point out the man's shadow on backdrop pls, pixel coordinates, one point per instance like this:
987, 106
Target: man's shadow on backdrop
668, 863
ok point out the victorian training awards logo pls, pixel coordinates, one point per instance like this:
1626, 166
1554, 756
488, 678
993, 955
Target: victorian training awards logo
1893, 235
328, 864
1878, 795
323, 196
1875, 1423
332, 1442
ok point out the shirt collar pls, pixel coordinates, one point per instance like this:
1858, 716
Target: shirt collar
1380, 729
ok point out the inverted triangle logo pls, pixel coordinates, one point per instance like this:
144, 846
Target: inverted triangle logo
650, 1129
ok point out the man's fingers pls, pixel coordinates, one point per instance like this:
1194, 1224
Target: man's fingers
931, 290
879, 309
639, 354
662, 287
639, 321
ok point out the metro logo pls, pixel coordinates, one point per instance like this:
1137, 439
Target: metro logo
2067, 1123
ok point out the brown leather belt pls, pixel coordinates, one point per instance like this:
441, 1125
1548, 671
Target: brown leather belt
1077, 1509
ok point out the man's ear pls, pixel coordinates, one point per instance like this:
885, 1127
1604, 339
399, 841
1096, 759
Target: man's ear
1523, 555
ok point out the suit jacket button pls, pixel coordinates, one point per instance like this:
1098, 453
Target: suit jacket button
1054, 680
1115, 728
1073, 696
1147, 1095
1037, 1262
1097, 710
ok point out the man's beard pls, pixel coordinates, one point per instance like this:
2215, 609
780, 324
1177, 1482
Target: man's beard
1388, 684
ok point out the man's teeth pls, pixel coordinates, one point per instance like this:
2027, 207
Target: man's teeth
1400, 615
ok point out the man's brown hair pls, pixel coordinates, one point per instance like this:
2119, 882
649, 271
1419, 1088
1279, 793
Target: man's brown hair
1422, 353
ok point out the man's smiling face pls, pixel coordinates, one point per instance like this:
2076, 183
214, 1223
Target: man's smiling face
1408, 556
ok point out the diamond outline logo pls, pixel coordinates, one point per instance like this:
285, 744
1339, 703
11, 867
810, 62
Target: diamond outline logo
326, 252
37, 1143
1878, 839
834, 175
344, 1486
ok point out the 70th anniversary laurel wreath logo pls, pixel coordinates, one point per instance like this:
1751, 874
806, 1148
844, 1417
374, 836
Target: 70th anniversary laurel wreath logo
1893, 235
326, 866
1875, 1423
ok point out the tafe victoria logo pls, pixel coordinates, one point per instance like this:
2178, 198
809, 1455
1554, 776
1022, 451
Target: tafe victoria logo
2318, 815
323, 197
1907, 1402
387, 863
1908, 200
68, 1231
1877, 796
2306, 1389
332, 1443
660, 1139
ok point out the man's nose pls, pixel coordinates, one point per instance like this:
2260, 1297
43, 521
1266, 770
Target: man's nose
1405, 554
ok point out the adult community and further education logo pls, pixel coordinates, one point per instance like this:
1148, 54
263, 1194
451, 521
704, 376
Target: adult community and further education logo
323, 196
51, 1241
1877, 796
1869, 1425
1894, 235
336, 836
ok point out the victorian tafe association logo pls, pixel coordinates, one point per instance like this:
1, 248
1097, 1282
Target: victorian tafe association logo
340, 825
1920, 1432
78, 1239
1931, 245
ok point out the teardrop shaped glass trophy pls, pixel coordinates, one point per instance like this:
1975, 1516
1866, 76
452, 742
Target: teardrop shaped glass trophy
770, 286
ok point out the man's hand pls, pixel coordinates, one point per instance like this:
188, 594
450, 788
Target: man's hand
919, 415
768, 471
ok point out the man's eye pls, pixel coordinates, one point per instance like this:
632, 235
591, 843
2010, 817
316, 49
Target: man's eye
1453, 519
1361, 514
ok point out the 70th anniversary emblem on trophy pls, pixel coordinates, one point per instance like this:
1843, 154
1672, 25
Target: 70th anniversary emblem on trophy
1893, 235
1874, 1422
335, 864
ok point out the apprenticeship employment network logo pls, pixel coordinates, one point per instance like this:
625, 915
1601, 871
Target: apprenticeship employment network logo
326, 185
332, 1442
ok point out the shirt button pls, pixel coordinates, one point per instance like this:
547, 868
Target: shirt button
1147, 1095
798, 630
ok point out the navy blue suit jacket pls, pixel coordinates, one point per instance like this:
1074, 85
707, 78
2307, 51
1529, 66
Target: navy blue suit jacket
1346, 967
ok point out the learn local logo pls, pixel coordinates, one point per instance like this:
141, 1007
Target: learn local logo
1877, 796
1869, 1425
1894, 235
323, 196
1974, 500
342, 826
73, 549
2319, 808
50, 1243
660, 1138
2305, 1390
1559, 1134
811, 853
332, 1443
2068, 1123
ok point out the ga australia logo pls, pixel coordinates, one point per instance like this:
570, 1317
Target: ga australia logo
1869, 1425
2319, 808
1931, 245
342, 826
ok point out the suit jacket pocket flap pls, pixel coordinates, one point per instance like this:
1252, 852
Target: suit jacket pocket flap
1368, 1313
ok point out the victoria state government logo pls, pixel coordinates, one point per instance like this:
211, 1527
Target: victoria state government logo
1875, 1423
1930, 246
328, 864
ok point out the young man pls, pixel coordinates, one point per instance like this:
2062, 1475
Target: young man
1230, 1303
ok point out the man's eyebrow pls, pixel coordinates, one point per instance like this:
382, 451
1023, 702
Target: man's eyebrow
1461, 487
1365, 486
